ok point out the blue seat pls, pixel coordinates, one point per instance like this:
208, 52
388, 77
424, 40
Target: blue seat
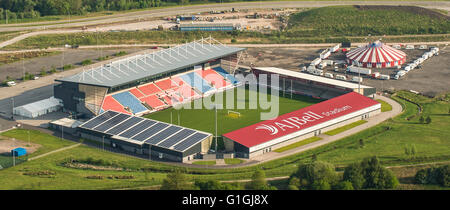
129, 100
196, 81
226, 75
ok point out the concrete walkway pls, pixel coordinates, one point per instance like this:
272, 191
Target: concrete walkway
54, 151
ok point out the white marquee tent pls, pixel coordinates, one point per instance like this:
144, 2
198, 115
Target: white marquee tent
38, 108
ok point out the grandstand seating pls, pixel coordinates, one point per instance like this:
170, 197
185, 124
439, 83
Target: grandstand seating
196, 81
111, 104
225, 74
166, 84
149, 89
185, 90
213, 78
153, 101
136, 93
127, 99
169, 100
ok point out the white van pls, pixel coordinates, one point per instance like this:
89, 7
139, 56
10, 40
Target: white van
11, 83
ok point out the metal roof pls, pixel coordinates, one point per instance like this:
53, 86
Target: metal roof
315, 78
138, 130
206, 25
147, 65
316, 116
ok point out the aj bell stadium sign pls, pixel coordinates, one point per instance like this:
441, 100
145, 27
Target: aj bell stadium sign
346, 106
297, 122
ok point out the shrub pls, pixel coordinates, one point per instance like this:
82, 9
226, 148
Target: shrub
369, 174
440, 175
314, 172
345, 185
321, 185
86, 62
67, 67
121, 53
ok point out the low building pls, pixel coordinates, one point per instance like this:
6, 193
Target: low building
307, 122
65, 125
38, 108
312, 85
146, 137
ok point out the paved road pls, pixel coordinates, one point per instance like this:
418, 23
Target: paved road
131, 16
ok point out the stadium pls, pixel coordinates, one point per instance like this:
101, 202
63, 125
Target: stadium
132, 103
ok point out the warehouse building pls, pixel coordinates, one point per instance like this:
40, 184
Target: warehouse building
312, 85
304, 123
145, 137
207, 27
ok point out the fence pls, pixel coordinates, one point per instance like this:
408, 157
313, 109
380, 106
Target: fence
7, 161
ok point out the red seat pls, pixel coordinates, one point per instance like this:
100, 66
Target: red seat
111, 104
153, 101
136, 93
213, 78
149, 89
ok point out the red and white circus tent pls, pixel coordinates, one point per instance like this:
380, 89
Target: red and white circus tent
376, 55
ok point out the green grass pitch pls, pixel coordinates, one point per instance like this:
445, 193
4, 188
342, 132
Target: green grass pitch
203, 119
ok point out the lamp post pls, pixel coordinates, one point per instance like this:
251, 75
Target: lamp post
216, 127
12, 114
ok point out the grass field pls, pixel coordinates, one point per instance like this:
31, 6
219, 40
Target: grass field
374, 20
205, 162
344, 128
203, 119
385, 107
48, 142
386, 140
233, 161
298, 144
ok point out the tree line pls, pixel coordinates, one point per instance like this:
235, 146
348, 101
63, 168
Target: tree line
20, 9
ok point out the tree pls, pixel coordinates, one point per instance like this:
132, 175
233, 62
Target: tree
376, 176
428, 120
354, 174
345, 185
294, 183
321, 185
407, 151
413, 150
361, 143
314, 157
443, 175
317, 172
176, 181
259, 182
216, 185
421, 119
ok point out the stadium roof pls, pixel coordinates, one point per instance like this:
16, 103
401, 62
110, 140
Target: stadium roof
311, 77
147, 65
138, 130
298, 122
